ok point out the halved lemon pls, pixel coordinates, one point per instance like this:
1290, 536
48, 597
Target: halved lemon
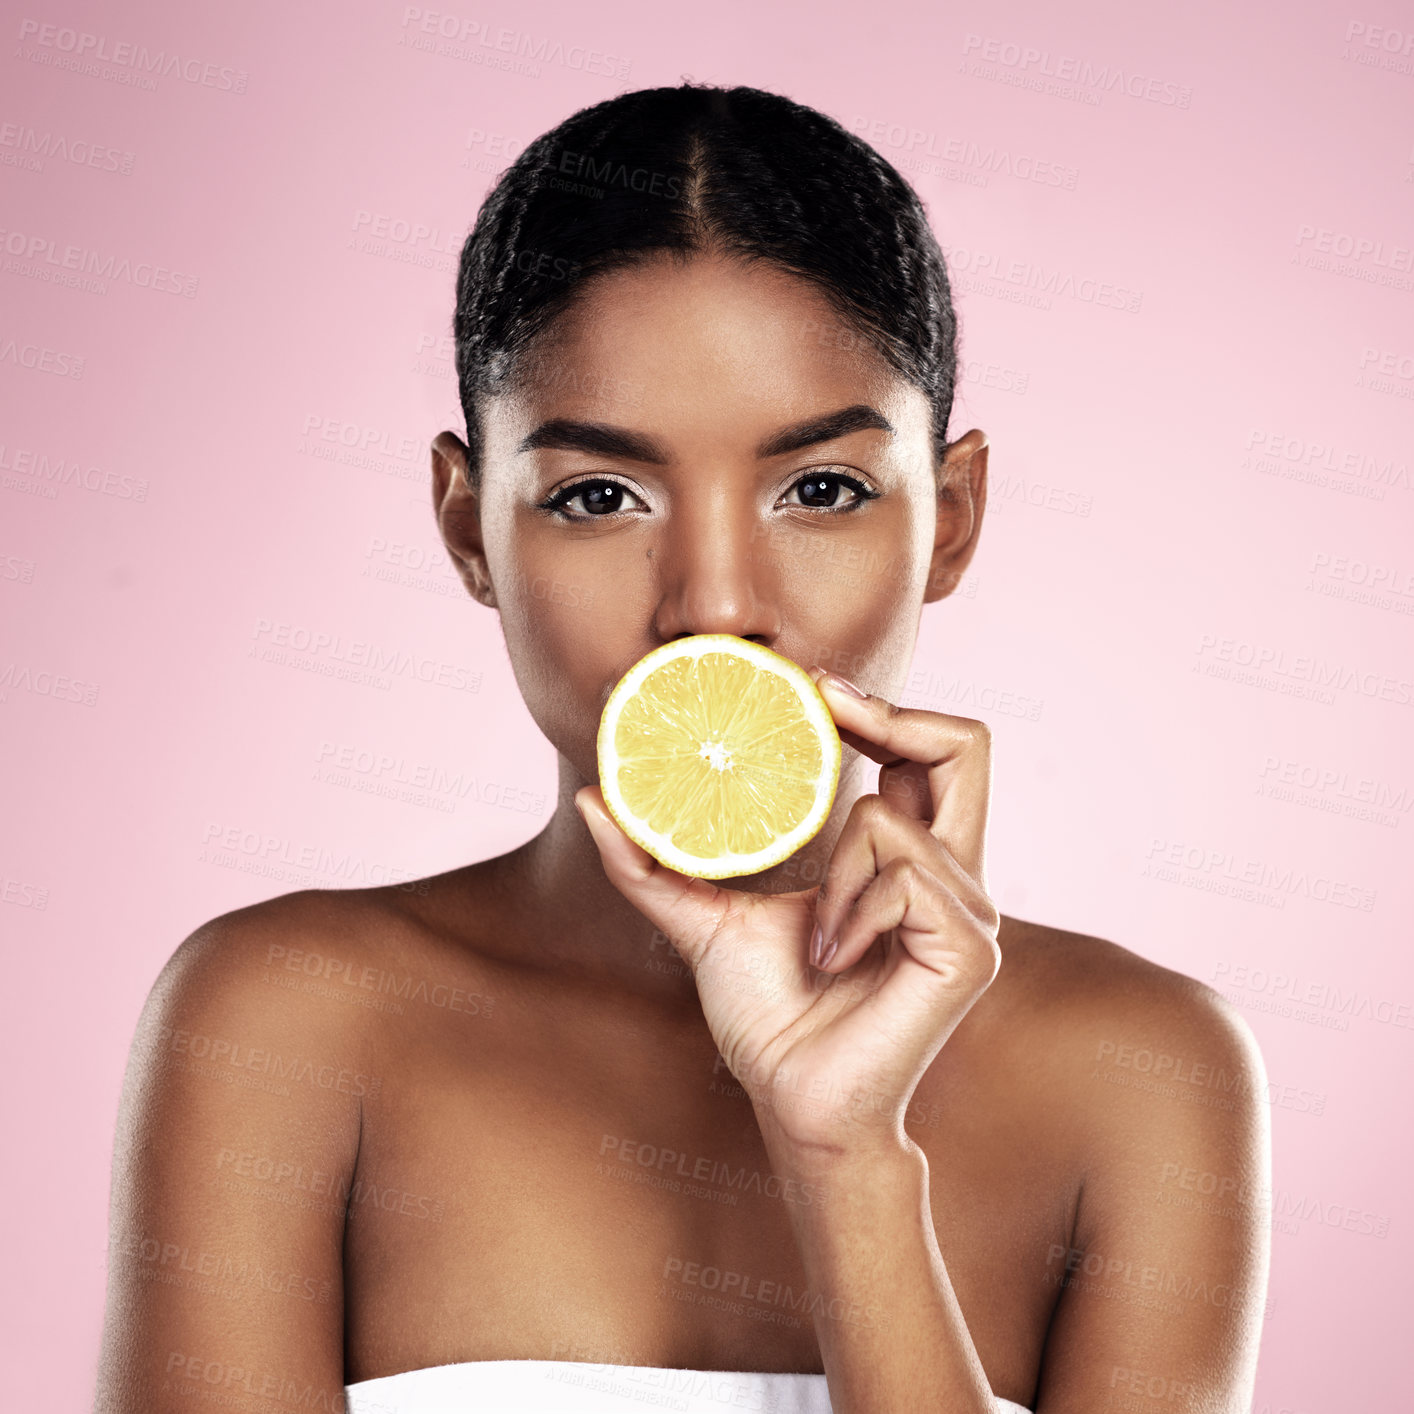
718, 756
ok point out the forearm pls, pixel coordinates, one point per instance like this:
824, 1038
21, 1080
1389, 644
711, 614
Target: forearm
891, 1333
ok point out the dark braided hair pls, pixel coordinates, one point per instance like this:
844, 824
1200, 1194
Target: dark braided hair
701, 169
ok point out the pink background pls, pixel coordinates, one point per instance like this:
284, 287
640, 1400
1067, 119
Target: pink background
1214, 479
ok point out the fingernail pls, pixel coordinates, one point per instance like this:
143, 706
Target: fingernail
817, 941
835, 680
829, 952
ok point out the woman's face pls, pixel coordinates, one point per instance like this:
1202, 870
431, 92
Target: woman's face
668, 466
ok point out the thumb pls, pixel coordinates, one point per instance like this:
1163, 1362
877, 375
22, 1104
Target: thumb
685, 908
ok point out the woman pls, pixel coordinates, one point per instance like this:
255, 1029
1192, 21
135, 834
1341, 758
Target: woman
563, 1129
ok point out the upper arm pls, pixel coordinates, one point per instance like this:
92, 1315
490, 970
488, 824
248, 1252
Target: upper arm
232, 1166
1164, 1290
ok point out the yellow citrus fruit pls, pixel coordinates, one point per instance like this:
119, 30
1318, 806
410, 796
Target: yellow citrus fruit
718, 756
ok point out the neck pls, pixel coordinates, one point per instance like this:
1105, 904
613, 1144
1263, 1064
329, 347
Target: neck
574, 920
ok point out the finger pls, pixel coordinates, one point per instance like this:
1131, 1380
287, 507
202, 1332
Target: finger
875, 836
945, 961
952, 754
935, 927
687, 910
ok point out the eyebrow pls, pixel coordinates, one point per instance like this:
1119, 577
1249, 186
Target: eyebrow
603, 439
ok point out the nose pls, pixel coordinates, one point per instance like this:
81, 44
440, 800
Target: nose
715, 574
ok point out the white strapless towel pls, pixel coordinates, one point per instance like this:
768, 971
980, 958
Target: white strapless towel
571, 1387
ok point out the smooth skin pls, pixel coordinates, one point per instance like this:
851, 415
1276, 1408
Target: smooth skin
567, 1104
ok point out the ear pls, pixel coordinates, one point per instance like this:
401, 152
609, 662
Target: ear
962, 497
458, 512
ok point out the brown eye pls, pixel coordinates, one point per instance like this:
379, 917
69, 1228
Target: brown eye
820, 491
600, 497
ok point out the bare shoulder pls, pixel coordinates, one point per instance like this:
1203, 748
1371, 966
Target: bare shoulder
1131, 1049
1104, 1000
234, 962
231, 948
297, 951
250, 998
1155, 1094
236, 1144
315, 983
